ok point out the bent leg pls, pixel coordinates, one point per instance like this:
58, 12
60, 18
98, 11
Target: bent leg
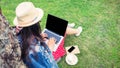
71, 31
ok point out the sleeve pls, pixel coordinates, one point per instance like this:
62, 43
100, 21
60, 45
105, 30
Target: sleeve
33, 63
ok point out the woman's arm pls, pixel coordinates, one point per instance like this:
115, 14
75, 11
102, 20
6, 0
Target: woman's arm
33, 63
51, 43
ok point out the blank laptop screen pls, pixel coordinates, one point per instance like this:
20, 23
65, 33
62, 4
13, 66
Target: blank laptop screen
56, 24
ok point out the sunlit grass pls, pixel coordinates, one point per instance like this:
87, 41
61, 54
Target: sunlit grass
99, 42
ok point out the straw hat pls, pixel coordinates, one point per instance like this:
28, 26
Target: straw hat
27, 14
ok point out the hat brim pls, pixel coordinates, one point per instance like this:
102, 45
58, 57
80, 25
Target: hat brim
40, 15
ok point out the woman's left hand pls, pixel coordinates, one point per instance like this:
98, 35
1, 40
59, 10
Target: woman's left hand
44, 35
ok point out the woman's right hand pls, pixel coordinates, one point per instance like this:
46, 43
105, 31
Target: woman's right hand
17, 29
51, 43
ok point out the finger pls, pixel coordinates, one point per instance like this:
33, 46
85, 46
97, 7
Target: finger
18, 28
45, 34
53, 39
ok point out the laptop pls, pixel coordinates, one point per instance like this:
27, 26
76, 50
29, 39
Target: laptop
55, 27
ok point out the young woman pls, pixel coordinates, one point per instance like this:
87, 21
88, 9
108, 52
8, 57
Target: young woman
35, 52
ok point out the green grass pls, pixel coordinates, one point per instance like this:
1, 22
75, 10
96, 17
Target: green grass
99, 42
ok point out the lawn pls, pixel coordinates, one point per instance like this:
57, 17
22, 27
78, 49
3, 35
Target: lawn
99, 42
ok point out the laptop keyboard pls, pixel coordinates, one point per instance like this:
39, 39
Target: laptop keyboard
50, 34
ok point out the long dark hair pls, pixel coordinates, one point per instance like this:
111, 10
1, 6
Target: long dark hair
27, 35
